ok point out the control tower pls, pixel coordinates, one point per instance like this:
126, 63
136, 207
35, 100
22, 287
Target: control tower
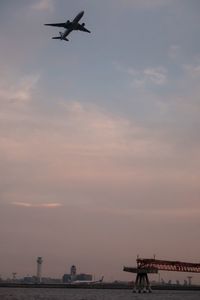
73, 273
39, 269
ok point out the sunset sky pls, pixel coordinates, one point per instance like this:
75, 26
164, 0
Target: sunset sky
99, 136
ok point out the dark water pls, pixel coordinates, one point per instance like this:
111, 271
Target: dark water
86, 294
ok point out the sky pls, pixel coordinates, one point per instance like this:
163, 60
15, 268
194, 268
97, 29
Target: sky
99, 136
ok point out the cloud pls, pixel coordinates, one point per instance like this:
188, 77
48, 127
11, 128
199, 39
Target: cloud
180, 213
192, 71
83, 146
18, 92
44, 5
146, 4
77, 130
174, 51
79, 145
149, 76
41, 205
78, 149
156, 75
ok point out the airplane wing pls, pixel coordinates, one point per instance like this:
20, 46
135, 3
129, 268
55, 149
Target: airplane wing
82, 28
56, 24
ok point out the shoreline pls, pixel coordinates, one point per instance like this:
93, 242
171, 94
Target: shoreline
97, 286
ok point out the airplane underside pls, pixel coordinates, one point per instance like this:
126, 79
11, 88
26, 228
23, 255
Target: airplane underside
69, 27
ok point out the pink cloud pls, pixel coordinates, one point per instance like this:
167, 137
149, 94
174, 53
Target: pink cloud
44, 5
42, 205
20, 91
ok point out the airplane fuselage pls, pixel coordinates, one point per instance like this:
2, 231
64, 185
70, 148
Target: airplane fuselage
77, 18
87, 281
72, 25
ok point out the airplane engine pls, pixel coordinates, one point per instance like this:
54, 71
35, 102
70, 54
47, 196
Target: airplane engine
83, 24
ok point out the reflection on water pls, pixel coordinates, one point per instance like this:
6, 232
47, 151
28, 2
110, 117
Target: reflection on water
86, 294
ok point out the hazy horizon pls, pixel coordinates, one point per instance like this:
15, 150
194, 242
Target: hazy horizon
99, 136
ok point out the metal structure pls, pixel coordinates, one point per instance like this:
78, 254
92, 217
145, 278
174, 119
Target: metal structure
166, 265
146, 266
39, 269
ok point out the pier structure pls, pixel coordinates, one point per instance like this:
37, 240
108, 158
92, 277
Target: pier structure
146, 266
142, 283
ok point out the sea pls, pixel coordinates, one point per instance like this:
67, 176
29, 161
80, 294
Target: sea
92, 294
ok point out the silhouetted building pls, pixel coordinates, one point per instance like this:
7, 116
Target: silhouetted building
49, 280
84, 277
73, 276
73, 270
30, 279
66, 278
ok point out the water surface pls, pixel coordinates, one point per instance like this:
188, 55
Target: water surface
87, 294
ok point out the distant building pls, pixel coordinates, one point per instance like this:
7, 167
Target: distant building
33, 279
84, 277
66, 278
49, 280
73, 270
73, 276
30, 279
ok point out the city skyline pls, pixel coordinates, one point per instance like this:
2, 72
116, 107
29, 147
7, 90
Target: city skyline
99, 136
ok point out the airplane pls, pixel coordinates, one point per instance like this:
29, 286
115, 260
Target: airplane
87, 281
69, 27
